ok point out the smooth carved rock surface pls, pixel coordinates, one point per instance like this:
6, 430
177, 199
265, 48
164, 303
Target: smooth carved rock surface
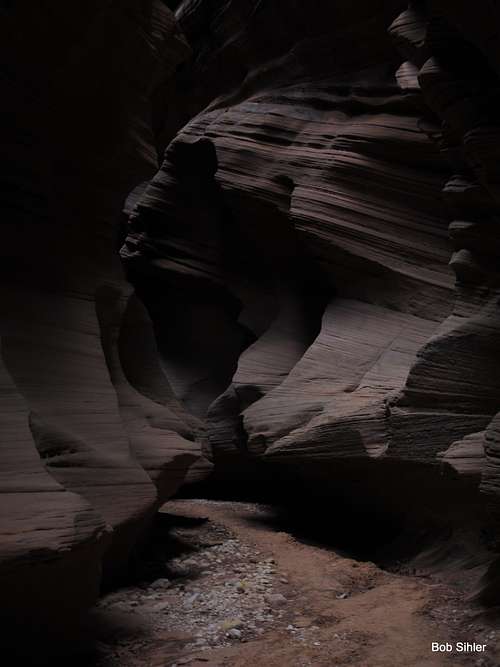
315, 267
356, 364
340, 206
92, 437
51, 538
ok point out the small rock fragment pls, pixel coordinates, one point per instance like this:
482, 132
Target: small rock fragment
234, 633
160, 583
275, 599
231, 623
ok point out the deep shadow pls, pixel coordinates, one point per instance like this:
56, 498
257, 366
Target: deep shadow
388, 512
152, 561
352, 534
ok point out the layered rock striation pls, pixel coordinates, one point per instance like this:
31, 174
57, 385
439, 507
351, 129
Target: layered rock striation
332, 187
93, 439
314, 267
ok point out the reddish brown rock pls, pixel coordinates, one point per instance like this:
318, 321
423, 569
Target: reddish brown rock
52, 539
86, 455
315, 264
362, 181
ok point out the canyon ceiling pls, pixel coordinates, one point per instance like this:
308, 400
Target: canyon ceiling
242, 235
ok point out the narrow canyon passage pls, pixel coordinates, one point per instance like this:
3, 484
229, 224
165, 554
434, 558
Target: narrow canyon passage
224, 584
250, 333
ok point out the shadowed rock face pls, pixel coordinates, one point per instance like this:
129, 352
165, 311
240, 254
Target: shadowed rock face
92, 437
338, 218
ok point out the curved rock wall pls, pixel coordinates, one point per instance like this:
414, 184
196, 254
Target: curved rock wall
315, 267
89, 446
352, 161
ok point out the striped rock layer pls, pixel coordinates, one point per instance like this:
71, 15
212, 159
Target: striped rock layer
325, 219
315, 272
92, 438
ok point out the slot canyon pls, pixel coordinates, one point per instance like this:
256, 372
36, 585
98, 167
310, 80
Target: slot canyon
250, 333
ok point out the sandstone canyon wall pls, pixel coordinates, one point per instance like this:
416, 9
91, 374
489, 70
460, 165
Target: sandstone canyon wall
92, 437
329, 184
322, 166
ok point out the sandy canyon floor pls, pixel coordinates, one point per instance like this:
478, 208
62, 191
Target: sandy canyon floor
224, 586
